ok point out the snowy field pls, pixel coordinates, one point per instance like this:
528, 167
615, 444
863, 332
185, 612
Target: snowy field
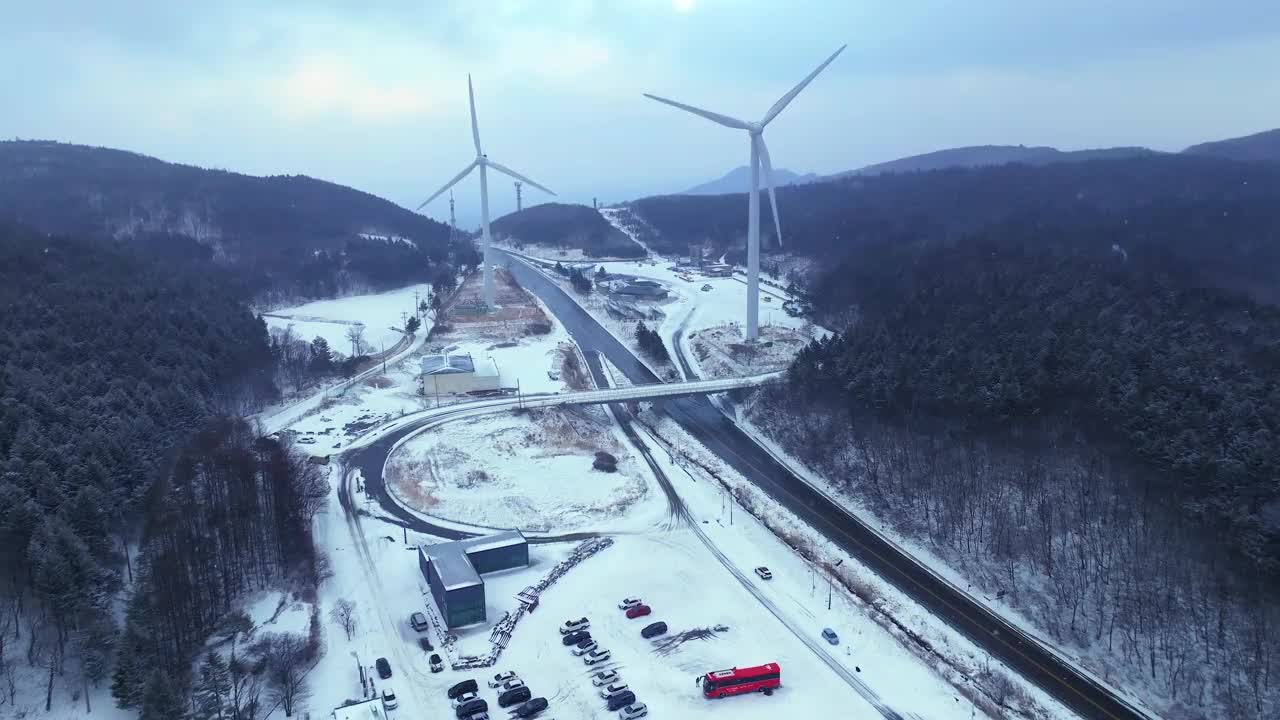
331, 319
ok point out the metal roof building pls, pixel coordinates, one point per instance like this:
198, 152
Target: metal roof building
367, 710
453, 569
458, 374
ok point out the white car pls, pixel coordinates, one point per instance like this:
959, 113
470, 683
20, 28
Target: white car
628, 603
604, 677
609, 691
502, 678
574, 625
764, 573
595, 656
511, 684
584, 648
633, 711
389, 701
464, 698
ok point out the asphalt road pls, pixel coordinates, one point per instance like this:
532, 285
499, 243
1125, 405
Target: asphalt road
724, 438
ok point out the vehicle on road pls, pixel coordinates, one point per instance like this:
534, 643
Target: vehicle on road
574, 625
418, 622
735, 681
631, 712
604, 677
425, 644
584, 647
609, 691
465, 698
531, 708
437, 665
501, 678
574, 638
514, 696
764, 573
389, 699
621, 700
628, 603
830, 636
653, 629
462, 688
471, 708
595, 656
384, 668
638, 611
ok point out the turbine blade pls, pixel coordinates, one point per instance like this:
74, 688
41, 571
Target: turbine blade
450, 184
768, 183
713, 117
516, 175
475, 128
785, 99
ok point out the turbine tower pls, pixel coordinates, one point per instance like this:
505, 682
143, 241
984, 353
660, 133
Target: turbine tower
482, 162
519, 197
759, 154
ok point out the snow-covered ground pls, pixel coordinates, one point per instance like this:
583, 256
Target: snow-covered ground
332, 319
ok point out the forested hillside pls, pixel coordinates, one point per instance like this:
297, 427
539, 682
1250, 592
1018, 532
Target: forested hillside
1259, 147
285, 235
559, 225
111, 358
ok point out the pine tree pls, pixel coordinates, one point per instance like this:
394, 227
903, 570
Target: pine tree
412, 324
161, 700
213, 687
321, 356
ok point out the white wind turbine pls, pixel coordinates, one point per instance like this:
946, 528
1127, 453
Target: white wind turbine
759, 153
483, 163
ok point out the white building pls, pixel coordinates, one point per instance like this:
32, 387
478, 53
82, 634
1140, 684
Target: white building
367, 710
458, 375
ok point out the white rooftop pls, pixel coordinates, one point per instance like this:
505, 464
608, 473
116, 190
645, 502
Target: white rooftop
367, 710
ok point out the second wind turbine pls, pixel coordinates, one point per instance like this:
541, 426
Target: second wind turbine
483, 162
759, 153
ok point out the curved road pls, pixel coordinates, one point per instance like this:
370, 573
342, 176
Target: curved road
700, 419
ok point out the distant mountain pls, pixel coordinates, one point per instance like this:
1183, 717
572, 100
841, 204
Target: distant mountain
986, 155
565, 226
290, 233
1259, 147
738, 180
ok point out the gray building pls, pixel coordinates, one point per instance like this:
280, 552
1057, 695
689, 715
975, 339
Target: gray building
458, 375
453, 570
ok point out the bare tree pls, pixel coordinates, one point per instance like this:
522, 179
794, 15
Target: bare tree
355, 334
245, 687
284, 657
344, 613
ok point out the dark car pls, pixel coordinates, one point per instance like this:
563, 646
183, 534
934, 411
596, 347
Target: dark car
574, 638
621, 700
425, 644
472, 707
384, 668
653, 629
437, 665
466, 686
531, 708
514, 696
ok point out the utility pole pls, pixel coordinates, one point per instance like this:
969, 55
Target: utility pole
519, 197
829, 582
415, 303
384, 357
453, 220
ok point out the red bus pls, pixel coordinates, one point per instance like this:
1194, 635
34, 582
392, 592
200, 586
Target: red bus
761, 678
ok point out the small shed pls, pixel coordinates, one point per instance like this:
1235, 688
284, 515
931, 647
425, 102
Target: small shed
367, 710
459, 374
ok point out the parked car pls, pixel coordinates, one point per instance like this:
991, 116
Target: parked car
480, 715
511, 684
384, 668
389, 699
502, 677
604, 677
830, 636
514, 696
584, 647
574, 625
653, 629
425, 644
628, 603
531, 708
437, 665
466, 686
418, 622
595, 656
464, 698
631, 712
638, 611
764, 573
574, 638
621, 700
612, 689
471, 708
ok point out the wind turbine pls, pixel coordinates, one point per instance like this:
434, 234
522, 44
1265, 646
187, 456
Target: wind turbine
759, 153
483, 162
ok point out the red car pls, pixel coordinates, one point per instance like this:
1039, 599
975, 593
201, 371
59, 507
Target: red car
638, 611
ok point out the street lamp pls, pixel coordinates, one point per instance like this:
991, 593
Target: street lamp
830, 582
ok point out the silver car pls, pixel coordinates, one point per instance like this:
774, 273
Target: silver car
633, 711
584, 648
595, 656
604, 677
609, 691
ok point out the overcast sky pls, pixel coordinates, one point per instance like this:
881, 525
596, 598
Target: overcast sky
376, 98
